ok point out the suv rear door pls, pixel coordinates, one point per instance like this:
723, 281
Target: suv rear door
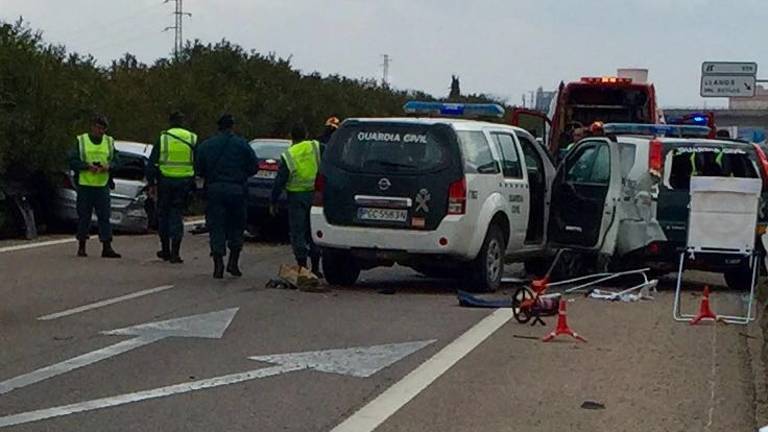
390, 174
583, 194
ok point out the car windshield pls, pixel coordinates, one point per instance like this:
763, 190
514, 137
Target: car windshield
387, 147
269, 149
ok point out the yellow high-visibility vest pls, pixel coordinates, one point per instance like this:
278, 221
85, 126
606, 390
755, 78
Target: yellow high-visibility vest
176, 153
91, 153
303, 162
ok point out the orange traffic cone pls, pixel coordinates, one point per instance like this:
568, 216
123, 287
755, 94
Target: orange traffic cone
705, 312
562, 326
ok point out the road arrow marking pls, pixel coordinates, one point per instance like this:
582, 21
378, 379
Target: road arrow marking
364, 362
208, 325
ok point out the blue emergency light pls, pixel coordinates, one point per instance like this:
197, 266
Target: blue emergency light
656, 130
448, 109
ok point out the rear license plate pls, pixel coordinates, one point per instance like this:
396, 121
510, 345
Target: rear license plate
384, 215
263, 174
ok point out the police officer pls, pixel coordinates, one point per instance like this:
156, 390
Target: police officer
225, 161
298, 167
92, 159
170, 175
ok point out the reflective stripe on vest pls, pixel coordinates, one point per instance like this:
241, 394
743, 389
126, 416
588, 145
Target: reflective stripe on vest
303, 162
91, 153
176, 155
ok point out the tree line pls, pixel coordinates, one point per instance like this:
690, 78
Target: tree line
49, 94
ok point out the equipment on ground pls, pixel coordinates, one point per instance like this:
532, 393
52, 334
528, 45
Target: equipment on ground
722, 221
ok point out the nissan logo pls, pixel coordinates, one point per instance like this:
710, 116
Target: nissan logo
384, 184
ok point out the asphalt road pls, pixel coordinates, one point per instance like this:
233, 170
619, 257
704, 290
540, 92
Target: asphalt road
434, 366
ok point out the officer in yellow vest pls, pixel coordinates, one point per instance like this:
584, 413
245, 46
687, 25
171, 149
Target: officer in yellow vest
298, 167
92, 159
171, 176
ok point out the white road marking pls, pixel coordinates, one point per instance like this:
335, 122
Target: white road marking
35, 245
209, 325
31, 416
386, 404
103, 303
358, 362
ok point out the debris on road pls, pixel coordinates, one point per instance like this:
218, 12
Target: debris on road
592, 405
296, 277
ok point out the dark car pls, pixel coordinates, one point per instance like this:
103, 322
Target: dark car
268, 151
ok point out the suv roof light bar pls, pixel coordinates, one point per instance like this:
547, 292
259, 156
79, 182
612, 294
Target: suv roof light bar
446, 109
657, 130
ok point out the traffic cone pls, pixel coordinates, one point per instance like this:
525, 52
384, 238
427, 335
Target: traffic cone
562, 326
704, 310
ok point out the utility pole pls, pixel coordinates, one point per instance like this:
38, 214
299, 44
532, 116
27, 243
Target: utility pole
177, 27
385, 67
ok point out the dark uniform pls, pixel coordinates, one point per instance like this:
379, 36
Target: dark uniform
94, 149
225, 161
171, 170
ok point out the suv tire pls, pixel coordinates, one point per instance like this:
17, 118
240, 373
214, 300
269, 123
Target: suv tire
738, 278
488, 267
340, 268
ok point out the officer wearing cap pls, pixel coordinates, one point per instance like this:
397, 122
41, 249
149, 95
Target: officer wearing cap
299, 166
225, 161
331, 125
171, 175
92, 160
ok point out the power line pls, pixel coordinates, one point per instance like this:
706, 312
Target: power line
177, 27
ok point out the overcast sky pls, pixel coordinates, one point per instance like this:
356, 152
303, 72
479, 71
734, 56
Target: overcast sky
501, 47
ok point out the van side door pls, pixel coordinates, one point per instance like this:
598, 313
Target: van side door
514, 187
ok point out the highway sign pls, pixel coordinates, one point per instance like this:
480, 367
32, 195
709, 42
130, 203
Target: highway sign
729, 68
727, 85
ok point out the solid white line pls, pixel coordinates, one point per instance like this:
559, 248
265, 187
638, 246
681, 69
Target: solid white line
103, 303
112, 401
76, 363
67, 240
36, 245
369, 417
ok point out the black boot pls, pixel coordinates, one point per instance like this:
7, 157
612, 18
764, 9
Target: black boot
165, 249
316, 267
232, 264
108, 252
81, 248
175, 248
302, 262
218, 267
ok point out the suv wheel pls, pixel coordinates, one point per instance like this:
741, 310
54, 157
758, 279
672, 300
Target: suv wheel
339, 267
739, 278
488, 266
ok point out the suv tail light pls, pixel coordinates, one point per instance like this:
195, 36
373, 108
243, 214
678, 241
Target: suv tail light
655, 157
319, 189
763, 160
457, 197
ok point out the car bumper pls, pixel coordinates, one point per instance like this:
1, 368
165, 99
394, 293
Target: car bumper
450, 238
131, 218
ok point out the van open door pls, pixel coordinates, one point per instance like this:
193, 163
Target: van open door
535, 122
584, 195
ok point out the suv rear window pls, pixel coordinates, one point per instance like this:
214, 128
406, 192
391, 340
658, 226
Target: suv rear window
393, 147
732, 163
478, 158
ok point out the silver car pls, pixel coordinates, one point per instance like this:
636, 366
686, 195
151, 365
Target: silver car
132, 209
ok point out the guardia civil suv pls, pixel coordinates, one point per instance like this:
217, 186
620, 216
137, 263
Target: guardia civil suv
444, 196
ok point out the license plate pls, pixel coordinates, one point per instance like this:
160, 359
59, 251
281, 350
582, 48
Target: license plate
384, 215
263, 174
